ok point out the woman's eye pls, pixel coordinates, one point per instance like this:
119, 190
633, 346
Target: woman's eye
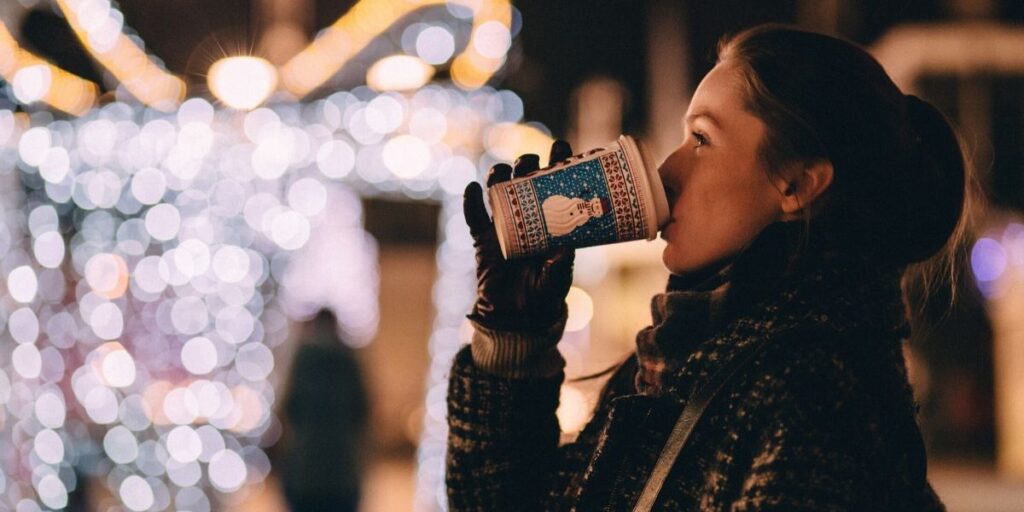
702, 140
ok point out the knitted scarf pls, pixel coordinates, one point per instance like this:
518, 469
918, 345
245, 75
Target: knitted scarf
769, 287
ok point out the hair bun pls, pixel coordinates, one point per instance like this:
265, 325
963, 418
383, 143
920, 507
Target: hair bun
934, 179
897, 192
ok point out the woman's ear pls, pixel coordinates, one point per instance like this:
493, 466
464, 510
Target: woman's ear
805, 186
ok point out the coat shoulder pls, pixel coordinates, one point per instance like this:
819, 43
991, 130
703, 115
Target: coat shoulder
829, 369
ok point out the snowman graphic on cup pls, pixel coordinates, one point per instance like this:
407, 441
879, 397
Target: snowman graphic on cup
564, 214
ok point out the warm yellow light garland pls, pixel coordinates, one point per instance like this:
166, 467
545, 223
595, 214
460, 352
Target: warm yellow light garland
352, 32
311, 68
143, 78
66, 92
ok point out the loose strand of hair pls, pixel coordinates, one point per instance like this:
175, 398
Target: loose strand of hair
946, 270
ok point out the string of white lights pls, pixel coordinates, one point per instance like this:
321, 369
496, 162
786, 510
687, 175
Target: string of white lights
171, 233
144, 257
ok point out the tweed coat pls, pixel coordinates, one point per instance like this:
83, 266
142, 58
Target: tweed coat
822, 419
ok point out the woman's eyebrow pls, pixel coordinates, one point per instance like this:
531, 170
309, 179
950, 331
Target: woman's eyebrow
703, 114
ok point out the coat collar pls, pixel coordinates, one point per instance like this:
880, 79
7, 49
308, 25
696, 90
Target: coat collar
779, 282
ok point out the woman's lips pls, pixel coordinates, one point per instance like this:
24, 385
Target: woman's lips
664, 229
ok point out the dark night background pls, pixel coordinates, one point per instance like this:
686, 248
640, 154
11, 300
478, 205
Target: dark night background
562, 44
566, 42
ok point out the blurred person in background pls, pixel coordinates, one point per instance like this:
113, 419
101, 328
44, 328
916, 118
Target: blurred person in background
324, 414
806, 188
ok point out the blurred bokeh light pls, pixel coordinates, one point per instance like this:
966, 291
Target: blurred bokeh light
242, 82
172, 227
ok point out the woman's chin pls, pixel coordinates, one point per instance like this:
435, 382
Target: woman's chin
679, 262
673, 261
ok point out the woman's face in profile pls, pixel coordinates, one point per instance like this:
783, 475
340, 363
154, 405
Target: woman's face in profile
720, 195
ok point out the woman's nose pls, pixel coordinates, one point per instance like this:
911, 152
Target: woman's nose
670, 173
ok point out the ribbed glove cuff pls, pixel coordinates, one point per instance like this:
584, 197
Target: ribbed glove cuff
518, 354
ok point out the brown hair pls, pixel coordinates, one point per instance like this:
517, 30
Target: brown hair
902, 191
901, 186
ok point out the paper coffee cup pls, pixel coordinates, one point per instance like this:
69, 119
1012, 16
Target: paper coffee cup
606, 195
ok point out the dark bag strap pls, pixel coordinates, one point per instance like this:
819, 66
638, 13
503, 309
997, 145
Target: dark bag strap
691, 414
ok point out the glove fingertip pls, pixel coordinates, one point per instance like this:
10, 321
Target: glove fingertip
526, 164
471, 192
560, 150
559, 261
499, 173
473, 208
563, 254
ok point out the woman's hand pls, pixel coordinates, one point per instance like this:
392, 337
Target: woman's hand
519, 294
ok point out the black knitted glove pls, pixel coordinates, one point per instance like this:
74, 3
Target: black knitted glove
518, 294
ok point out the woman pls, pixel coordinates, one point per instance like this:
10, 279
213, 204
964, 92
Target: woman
806, 185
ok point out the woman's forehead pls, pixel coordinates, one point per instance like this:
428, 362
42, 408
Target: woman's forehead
720, 102
719, 94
